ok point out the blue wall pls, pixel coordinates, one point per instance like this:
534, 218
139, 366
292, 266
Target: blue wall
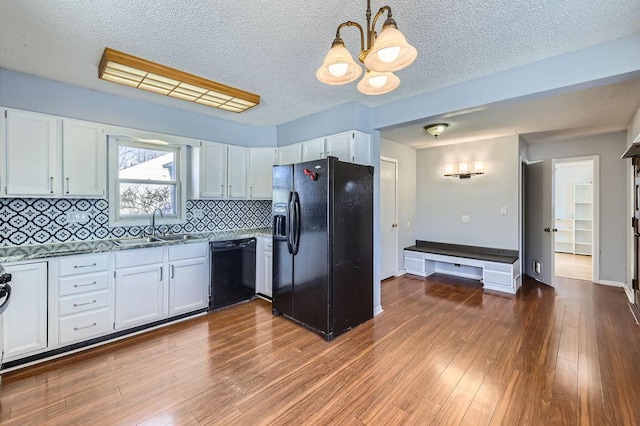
23, 91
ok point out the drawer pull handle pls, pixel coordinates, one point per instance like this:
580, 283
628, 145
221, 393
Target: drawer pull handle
86, 326
83, 285
75, 305
85, 266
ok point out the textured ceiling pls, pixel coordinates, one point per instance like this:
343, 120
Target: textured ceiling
273, 47
592, 111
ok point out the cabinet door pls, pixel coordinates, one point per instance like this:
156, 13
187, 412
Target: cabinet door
313, 149
83, 159
268, 270
261, 161
31, 154
338, 146
188, 286
139, 295
290, 154
24, 327
237, 172
213, 170
360, 149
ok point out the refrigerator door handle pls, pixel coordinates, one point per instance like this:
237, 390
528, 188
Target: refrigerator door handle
289, 224
296, 223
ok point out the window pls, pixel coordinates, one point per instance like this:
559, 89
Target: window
144, 177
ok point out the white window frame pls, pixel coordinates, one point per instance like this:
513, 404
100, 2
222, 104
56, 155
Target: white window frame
114, 183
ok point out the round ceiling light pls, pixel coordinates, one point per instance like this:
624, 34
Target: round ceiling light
436, 129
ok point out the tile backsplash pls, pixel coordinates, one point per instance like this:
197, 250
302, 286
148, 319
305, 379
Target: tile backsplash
40, 220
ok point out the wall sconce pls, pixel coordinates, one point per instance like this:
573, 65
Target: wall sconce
463, 170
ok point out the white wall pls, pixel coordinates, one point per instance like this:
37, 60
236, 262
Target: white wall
613, 182
441, 201
406, 158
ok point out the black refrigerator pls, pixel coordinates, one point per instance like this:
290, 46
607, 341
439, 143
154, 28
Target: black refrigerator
323, 244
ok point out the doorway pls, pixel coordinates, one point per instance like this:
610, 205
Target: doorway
389, 217
575, 210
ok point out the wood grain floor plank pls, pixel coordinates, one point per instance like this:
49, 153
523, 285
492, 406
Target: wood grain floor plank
443, 352
483, 405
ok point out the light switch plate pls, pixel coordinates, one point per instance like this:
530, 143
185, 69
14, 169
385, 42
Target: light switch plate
465, 218
503, 210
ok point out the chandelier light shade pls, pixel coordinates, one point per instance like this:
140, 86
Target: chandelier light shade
381, 55
338, 67
391, 52
378, 83
129, 70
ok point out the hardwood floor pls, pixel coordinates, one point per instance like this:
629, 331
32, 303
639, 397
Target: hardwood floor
573, 266
443, 352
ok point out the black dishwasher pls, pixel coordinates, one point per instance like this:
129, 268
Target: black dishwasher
233, 272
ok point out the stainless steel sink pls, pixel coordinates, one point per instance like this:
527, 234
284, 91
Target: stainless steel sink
134, 241
176, 237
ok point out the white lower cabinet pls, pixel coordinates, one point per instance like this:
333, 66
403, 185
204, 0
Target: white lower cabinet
24, 323
139, 295
186, 290
73, 299
160, 282
84, 299
264, 266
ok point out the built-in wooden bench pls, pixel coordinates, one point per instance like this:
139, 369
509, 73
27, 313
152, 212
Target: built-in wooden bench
498, 269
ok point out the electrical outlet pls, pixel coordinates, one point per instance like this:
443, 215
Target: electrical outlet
465, 218
75, 216
503, 210
198, 214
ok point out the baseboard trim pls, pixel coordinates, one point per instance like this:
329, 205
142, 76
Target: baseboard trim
377, 310
626, 289
401, 273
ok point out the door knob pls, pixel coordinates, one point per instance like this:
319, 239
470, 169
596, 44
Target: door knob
547, 229
554, 230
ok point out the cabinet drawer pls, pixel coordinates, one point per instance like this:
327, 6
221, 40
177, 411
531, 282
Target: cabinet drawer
82, 302
501, 267
415, 264
83, 264
146, 256
497, 278
83, 326
83, 283
413, 255
188, 251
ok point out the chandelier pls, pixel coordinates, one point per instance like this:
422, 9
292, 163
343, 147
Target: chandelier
381, 54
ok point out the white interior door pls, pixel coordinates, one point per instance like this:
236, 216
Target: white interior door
539, 221
389, 217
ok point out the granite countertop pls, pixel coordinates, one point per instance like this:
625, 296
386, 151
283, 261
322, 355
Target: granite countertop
43, 251
468, 252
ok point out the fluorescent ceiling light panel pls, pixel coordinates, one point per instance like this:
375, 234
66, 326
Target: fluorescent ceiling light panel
132, 71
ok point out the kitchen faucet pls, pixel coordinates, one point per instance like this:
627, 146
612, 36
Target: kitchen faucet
153, 221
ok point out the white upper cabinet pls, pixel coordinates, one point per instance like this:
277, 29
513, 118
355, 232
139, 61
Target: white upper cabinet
213, 170
47, 156
352, 147
237, 171
31, 154
83, 159
360, 148
261, 162
290, 154
313, 150
338, 146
